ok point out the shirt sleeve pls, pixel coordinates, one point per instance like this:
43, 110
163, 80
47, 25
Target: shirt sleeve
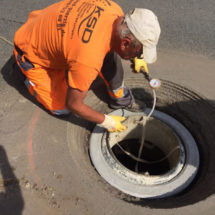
81, 76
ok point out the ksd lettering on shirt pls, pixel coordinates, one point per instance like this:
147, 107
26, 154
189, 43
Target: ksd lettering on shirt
89, 24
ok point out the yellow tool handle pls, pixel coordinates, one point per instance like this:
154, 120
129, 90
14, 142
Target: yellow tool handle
140, 64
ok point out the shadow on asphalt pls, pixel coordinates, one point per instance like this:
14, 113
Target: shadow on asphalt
13, 79
11, 200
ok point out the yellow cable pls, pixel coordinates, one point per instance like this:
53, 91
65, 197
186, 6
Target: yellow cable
6, 40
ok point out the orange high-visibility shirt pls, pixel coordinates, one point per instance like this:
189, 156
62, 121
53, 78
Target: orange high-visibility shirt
73, 35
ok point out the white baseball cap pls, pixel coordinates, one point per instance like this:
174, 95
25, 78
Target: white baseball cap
144, 25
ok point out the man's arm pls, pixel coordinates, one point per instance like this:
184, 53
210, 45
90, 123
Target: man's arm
75, 103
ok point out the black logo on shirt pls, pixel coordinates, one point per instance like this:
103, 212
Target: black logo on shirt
88, 24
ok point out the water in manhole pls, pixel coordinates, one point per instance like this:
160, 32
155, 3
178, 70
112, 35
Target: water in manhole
150, 153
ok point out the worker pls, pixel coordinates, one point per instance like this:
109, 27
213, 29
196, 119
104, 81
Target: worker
61, 49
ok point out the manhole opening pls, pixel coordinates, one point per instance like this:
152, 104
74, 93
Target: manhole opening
150, 153
161, 149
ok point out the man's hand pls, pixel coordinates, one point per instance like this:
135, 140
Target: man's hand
113, 123
76, 105
140, 64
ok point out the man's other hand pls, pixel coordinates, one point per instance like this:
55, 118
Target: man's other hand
113, 123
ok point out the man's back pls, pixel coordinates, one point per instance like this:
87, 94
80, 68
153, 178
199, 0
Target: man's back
67, 32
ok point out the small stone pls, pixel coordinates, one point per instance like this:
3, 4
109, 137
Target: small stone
59, 177
22, 100
146, 174
27, 185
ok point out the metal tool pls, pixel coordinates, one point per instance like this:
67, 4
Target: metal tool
153, 82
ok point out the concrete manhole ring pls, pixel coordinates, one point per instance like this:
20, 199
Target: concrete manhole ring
189, 108
183, 166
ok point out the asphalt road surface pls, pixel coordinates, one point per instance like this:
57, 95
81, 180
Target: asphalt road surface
44, 169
